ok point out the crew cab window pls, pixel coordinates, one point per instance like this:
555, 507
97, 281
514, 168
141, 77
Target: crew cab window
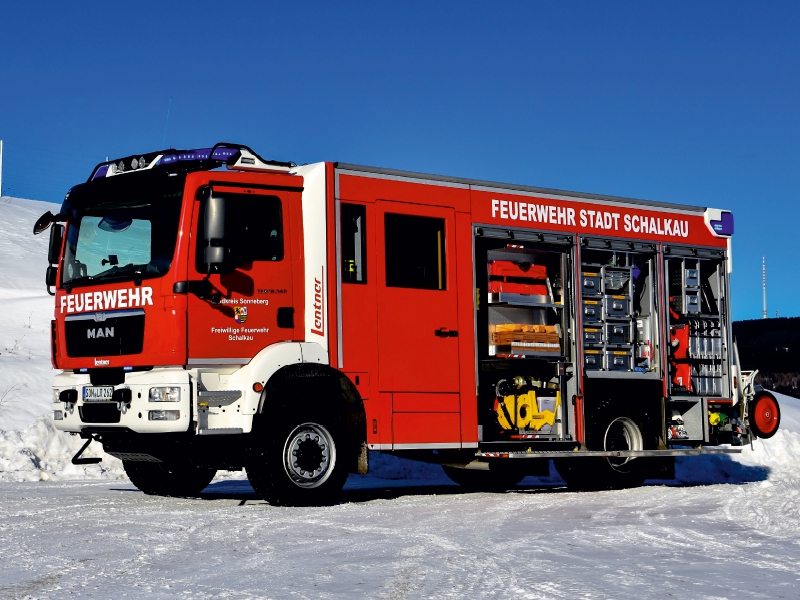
415, 252
354, 242
253, 231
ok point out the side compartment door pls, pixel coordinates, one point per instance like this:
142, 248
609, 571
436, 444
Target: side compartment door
418, 337
253, 301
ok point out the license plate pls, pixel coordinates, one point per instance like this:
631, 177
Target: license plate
97, 394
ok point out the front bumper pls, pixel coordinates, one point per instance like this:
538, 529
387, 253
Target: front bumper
137, 415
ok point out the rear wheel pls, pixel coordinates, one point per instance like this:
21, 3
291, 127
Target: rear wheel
764, 415
483, 481
299, 464
619, 434
168, 479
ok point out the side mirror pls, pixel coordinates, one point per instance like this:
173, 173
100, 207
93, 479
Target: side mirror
54, 249
214, 229
43, 223
215, 218
51, 278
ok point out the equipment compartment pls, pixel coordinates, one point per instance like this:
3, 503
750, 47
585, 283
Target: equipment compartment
592, 311
592, 360
590, 283
625, 270
698, 305
618, 333
593, 335
524, 336
616, 306
619, 360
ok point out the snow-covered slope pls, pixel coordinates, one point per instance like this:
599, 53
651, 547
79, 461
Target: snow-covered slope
25, 313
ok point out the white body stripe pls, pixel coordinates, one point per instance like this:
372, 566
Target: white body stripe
315, 254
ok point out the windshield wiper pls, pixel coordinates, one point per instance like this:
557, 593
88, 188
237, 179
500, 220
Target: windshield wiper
117, 269
115, 274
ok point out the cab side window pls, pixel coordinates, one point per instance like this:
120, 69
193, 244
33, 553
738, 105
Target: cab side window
253, 231
415, 252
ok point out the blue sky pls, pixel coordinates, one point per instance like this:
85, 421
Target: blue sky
687, 102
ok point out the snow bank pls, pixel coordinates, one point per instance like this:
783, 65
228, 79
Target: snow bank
775, 457
41, 452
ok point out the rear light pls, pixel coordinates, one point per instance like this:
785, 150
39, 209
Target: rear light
164, 415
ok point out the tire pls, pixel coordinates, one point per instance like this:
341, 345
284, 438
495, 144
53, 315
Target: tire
590, 474
764, 415
299, 463
168, 479
483, 481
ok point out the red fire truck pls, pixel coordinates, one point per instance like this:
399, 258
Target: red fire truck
216, 310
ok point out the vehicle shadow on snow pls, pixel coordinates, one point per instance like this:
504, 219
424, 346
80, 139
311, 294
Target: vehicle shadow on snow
429, 480
366, 489
715, 469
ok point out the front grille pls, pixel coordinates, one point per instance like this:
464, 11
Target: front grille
110, 333
101, 412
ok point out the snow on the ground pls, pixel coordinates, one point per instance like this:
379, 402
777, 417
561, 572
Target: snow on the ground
727, 527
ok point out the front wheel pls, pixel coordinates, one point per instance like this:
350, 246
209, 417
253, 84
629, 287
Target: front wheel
298, 465
168, 479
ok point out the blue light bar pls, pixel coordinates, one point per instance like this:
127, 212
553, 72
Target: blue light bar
217, 156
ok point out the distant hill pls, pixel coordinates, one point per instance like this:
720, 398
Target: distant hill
773, 347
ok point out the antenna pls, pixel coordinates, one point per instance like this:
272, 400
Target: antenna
169, 106
764, 284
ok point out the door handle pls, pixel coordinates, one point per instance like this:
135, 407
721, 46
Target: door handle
443, 332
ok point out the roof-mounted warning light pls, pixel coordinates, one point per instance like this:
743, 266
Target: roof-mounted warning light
719, 222
232, 156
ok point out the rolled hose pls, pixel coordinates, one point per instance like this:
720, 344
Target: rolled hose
764, 415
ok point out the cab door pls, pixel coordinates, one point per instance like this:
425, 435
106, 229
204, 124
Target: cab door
418, 337
252, 292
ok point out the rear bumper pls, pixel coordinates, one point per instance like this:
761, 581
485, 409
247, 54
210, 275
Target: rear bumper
137, 415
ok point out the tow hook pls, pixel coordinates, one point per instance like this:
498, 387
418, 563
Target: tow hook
76, 460
123, 398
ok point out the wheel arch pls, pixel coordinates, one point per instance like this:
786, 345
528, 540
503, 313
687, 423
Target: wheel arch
319, 389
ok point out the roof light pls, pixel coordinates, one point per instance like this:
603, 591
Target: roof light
234, 156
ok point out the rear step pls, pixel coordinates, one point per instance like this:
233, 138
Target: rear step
607, 453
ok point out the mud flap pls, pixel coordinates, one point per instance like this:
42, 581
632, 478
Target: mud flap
362, 460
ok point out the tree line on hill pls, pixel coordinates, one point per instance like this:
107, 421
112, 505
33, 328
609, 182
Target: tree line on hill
773, 347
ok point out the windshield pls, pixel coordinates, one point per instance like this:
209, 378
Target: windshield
124, 234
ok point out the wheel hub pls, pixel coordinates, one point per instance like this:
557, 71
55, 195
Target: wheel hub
622, 434
309, 455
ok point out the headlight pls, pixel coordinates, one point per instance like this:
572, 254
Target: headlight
165, 394
55, 396
58, 415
